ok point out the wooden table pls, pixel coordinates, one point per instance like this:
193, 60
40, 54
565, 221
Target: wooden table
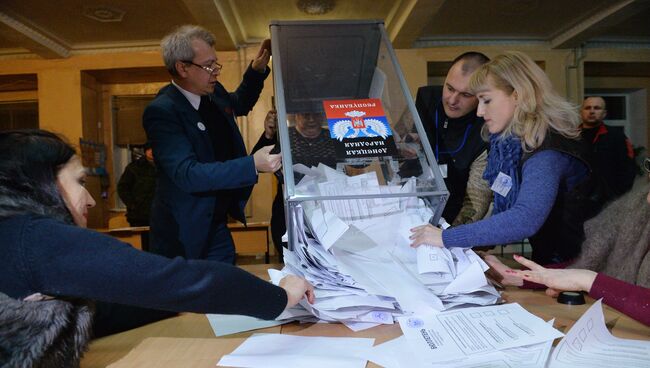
131, 235
110, 349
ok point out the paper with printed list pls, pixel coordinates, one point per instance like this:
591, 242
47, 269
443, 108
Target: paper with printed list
470, 331
397, 353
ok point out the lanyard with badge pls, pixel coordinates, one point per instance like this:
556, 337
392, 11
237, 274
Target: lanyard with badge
443, 167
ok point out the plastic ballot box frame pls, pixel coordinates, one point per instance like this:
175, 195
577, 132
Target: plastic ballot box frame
345, 75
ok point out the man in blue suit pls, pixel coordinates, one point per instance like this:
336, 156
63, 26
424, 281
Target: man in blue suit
204, 172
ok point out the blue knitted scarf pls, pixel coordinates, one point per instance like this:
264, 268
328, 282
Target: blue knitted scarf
504, 156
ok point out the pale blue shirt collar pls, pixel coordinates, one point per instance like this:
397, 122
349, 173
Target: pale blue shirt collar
194, 99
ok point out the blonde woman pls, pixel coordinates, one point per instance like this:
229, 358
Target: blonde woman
535, 165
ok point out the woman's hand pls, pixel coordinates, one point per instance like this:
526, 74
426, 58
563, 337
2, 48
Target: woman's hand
426, 234
556, 279
499, 271
297, 288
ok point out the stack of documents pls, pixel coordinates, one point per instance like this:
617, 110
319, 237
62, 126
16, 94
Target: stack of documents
507, 336
357, 254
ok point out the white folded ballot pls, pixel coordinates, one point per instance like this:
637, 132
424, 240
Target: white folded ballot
590, 344
357, 254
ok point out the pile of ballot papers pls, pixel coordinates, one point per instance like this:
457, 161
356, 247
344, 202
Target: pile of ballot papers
357, 254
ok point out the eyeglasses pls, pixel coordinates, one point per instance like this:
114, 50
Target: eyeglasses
216, 67
646, 164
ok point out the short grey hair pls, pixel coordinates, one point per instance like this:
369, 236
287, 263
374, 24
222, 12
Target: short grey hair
177, 46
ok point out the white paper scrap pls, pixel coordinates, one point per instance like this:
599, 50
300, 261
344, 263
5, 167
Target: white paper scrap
280, 351
226, 324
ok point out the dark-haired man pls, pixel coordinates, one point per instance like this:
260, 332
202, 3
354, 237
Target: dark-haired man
454, 132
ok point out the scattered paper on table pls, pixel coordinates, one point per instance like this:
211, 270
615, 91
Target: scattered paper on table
469, 331
226, 324
280, 351
590, 344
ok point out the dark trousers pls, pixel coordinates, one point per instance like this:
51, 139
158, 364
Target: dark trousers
221, 247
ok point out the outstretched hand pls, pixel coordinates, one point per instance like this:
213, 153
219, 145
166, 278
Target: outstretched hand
499, 271
556, 279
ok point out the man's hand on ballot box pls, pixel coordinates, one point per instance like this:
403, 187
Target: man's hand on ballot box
265, 161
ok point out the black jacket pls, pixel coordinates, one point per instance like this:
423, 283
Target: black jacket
457, 142
560, 237
136, 188
610, 155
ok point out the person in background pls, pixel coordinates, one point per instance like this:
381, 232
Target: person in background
136, 188
536, 165
454, 132
614, 263
204, 172
610, 152
53, 270
310, 145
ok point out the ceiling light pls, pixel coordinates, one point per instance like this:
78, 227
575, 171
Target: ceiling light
315, 7
103, 13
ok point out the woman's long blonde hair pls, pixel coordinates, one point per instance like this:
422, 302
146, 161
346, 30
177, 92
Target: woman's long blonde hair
539, 108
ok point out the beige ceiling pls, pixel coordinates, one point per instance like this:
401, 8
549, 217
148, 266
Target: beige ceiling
58, 29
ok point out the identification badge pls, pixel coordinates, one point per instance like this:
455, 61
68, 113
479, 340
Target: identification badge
502, 184
443, 170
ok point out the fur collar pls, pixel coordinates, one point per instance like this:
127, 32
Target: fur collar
44, 334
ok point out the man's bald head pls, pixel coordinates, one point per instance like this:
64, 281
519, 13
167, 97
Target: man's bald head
593, 111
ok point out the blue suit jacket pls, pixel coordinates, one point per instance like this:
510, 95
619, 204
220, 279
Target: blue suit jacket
188, 175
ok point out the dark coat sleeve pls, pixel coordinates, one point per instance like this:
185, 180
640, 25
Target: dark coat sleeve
246, 95
262, 142
175, 155
65, 260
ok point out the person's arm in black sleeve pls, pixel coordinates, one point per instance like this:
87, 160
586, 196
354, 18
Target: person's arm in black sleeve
263, 141
624, 170
248, 92
69, 261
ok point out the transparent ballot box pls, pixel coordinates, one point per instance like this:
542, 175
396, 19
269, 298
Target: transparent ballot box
353, 148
